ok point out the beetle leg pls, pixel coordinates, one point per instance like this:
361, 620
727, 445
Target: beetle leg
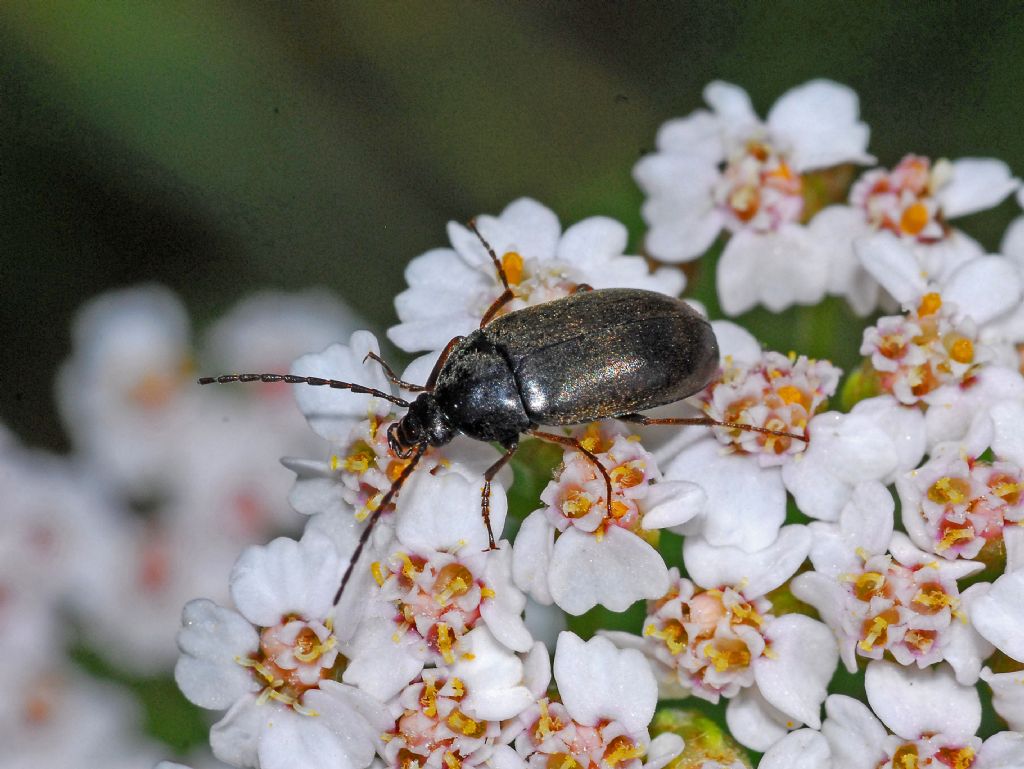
706, 422
485, 497
392, 376
565, 440
507, 295
429, 386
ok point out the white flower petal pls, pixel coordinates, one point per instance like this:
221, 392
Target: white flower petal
966, 648
235, 738
1013, 240
731, 104
820, 119
976, 184
796, 267
433, 333
442, 512
754, 573
331, 413
795, 678
596, 239
493, 676
537, 669
1007, 696
662, 750
699, 133
1008, 438
735, 342
746, 504
753, 722
503, 613
672, 503
893, 265
535, 226
286, 577
1004, 750
531, 555
913, 702
983, 288
853, 733
615, 572
211, 639
598, 682
382, 661
802, 749
999, 615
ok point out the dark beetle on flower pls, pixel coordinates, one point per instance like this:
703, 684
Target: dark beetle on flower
588, 356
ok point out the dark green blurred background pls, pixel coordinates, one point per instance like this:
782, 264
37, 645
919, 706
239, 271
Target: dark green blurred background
218, 147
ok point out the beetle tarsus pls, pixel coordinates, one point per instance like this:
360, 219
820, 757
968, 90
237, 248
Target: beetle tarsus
565, 440
708, 422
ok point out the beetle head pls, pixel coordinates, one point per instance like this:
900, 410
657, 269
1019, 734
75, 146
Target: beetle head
423, 423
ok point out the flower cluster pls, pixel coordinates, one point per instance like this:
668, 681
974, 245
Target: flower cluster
418, 621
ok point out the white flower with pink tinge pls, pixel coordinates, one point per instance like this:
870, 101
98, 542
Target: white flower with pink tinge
956, 502
273, 664
454, 717
435, 583
606, 700
450, 289
931, 720
727, 170
933, 355
742, 471
879, 594
715, 636
914, 201
583, 549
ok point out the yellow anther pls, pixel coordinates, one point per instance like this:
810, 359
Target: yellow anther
451, 761
930, 304
378, 573
576, 504
458, 688
335, 462
486, 592
914, 218
444, 642
512, 264
791, 394
951, 537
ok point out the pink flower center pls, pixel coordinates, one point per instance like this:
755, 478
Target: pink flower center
758, 189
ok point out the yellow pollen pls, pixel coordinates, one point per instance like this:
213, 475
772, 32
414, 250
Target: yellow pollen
949, 491
905, 757
576, 504
512, 264
914, 218
378, 573
745, 612
934, 597
452, 581
619, 509
408, 567
878, 626
790, 394
486, 592
731, 654
360, 459
451, 761
428, 699
868, 584
962, 350
930, 304
919, 640
1007, 489
308, 646
458, 688
444, 642
956, 758
460, 722
673, 634
628, 475
622, 749
335, 462
951, 537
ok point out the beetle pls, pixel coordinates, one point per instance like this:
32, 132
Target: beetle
594, 354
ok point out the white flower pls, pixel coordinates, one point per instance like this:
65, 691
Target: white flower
125, 388
740, 471
583, 549
271, 664
914, 202
608, 697
726, 169
450, 289
956, 502
453, 716
879, 594
716, 637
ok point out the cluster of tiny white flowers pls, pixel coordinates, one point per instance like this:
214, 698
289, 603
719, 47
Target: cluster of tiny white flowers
448, 650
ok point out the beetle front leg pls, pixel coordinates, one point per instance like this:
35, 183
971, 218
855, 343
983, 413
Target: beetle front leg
485, 497
392, 376
507, 295
565, 440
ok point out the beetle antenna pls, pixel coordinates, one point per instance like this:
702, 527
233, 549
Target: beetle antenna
385, 501
310, 380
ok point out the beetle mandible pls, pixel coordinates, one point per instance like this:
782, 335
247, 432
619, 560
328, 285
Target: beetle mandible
591, 355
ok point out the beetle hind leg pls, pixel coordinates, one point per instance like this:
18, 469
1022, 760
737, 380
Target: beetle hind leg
706, 422
565, 440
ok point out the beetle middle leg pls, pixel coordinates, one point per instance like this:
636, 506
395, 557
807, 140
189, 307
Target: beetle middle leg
706, 422
485, 496
565, 440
